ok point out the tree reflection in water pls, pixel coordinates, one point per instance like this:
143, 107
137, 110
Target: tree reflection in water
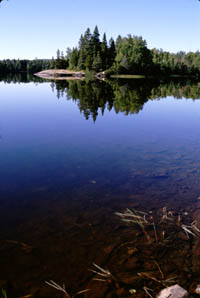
126, 96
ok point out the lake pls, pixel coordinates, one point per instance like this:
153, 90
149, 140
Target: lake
74, 155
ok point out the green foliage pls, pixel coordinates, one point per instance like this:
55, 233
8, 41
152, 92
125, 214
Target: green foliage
74, 58
60, 62
129, 55
92, 53
97, 62
31, 66
178, 64
90, 75
132, 55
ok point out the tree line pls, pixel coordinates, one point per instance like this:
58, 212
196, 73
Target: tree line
14, 66
125, 55
92, 54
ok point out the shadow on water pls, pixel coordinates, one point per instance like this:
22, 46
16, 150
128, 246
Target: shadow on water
61, 217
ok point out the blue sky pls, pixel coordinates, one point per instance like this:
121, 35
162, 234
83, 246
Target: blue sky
37, 28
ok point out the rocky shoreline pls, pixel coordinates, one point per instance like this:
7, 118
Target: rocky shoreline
60, 74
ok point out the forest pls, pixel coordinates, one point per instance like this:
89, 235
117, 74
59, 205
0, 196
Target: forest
125, 55
15, 66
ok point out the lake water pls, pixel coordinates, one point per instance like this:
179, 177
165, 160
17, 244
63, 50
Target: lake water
72, 154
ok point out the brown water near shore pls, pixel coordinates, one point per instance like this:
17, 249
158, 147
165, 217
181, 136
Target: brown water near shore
60, 240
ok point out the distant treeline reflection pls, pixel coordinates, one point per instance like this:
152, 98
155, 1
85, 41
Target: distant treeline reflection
123, 96
21, 77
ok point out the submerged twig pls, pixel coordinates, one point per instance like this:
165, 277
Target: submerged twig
191, 229
194, 226
155, 232
54, 285
81, 292
133, 216
147, 291
162, 275
136, 217
162, 282
167, 215
102, 272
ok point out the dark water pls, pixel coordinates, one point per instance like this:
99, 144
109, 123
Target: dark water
71, 158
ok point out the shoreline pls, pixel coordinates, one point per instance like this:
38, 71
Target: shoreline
60, 74
65, 74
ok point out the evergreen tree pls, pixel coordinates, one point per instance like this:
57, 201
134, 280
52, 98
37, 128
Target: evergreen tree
74, 58
88, 62
87, 41
52, 63
104, 52
118, 40
97, 62
68, 53
81, 60
95, 41
81, 42
58, 54
84, 48
111, 52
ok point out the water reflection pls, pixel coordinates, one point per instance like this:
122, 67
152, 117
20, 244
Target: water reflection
63, 179
123, 96
21, 77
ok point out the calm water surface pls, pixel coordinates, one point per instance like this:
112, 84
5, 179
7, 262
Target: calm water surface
74, 153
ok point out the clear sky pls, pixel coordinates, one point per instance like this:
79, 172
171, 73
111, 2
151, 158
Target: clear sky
37, 28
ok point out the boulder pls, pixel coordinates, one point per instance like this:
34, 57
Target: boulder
197, 290
173, 292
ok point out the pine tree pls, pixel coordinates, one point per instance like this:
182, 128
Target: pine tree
111, 52
118, 40
68, 53
73, 63
58, 54
81, 60
81, 42
87, 40
97, 62
84, 49
95, 42
104, 52
88, 62
52, 63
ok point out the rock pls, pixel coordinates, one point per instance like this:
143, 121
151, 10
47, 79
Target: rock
197, 290
173, 292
